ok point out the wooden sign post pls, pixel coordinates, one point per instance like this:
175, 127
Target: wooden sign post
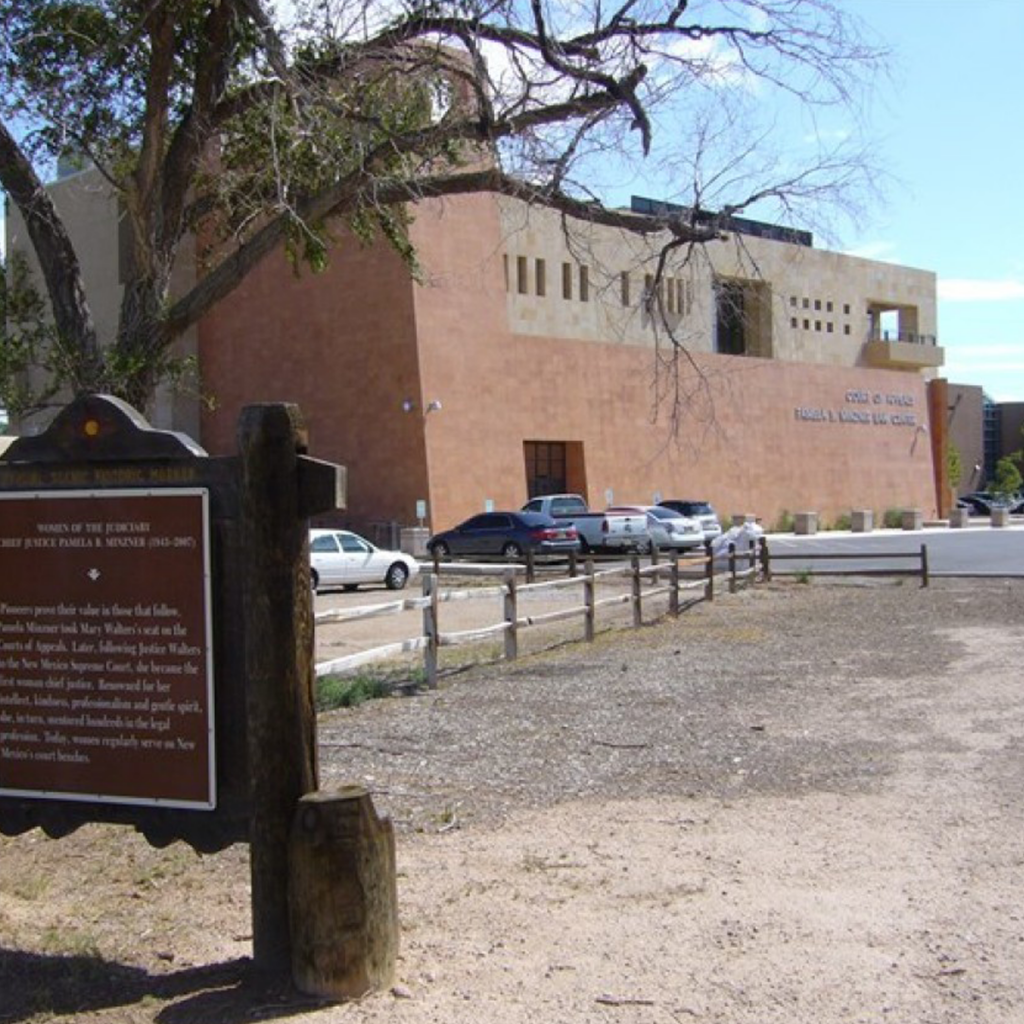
156, 656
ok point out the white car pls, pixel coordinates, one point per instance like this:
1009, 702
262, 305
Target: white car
339, 558
668, 528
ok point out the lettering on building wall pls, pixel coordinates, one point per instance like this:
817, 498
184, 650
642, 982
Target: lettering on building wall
864, 408
106, 688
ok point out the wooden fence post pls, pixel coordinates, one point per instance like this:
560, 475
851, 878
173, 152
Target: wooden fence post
574, 568
638, 615
673, 579
530, 565
511, 616
732, 568
430, 628
766, 561
709, 572
924, 565
343, 866
589, 600
278, 662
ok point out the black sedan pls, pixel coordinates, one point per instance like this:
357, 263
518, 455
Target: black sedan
508, 534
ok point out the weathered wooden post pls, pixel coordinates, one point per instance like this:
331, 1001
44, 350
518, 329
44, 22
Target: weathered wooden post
766, 561
342, 858
635, 580
709, 572
511, 617
430, 588
589, 600
673, 594
278, 661
732, 568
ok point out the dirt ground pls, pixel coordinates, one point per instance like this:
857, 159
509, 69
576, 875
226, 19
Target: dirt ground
800, 803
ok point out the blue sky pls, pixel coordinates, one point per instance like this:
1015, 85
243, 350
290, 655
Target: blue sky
952, 136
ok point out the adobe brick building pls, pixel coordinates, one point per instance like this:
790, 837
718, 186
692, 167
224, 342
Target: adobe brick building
526, 359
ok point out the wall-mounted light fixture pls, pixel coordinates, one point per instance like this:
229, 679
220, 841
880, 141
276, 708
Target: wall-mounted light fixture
408, 405
434, 405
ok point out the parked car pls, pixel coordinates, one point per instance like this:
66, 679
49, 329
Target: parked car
666, 527
597, 530
981, 503
509, 534
699, 510
339, 558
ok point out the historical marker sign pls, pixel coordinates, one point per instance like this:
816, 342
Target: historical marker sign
106, 655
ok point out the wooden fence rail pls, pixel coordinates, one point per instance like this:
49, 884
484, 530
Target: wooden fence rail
919, 556
432, 637
684, 580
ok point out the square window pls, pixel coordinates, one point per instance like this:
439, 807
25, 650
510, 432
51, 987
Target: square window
793, 322
828, 306
817, 303
846, 308
807, 325
792, 300
846, 328
828, 327
807, 303
817, 325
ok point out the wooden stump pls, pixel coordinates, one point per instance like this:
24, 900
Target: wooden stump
343, 899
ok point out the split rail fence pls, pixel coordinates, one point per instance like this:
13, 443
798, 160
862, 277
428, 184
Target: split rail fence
683, 580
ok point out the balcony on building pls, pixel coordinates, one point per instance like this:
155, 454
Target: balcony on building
894, 341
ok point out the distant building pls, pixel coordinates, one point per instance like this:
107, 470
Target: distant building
527, 359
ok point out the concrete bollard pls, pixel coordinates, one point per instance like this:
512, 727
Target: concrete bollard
862, 520
959, 518
912, 519
805, 522
1000, 517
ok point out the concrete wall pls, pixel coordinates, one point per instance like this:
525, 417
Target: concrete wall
90, 213
818, 302
966, 430
341, 344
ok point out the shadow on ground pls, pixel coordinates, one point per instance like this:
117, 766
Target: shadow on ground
54, 986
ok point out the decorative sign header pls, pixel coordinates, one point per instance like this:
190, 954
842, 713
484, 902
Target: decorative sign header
867, 408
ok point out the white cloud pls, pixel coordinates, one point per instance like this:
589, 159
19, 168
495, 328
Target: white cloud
979, 290
880, 250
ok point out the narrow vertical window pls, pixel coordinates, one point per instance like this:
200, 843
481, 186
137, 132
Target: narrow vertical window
521, 277
540, 277
624, 284
584, 284
504, 264
566, 280
670, 291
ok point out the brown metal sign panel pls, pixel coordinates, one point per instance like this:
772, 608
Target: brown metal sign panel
106, 659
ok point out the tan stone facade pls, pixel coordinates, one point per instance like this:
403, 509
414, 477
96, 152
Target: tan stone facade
522, 347
525, 345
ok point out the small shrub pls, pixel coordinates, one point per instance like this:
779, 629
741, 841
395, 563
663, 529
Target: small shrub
843, 521
786, 522
893, 518
802, 576
348, 691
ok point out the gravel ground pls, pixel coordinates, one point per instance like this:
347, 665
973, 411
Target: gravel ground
799, 804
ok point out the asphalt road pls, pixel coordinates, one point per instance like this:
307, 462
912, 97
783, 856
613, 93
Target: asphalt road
979, 549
